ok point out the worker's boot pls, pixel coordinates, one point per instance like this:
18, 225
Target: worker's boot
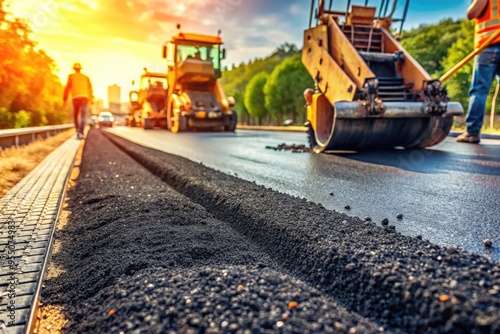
468, 138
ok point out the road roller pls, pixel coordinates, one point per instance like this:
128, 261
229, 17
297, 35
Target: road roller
369, 93
195, 98
189, 95
147, 104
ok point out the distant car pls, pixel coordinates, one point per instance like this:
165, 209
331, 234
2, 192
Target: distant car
93, 121
105, 119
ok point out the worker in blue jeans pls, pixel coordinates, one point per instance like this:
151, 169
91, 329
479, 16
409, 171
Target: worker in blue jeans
486, 65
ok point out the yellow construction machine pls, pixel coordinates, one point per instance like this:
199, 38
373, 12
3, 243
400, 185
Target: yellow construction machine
370, 93
195, 98
147, 105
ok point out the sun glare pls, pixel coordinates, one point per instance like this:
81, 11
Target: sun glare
180, 8
38, 13
94, 4
110, 48
21, 9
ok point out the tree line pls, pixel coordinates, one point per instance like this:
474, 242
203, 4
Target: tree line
438, 47
268, 91
30, 90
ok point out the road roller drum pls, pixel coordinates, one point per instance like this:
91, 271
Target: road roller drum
369, 93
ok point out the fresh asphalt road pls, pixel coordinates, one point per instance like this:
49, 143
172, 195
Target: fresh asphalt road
449, 194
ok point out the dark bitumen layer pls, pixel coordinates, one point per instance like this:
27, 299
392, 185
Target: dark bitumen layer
119, 237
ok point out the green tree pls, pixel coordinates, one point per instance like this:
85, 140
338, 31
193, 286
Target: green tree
27, 78
236, 79
439, 47
429, 43
23, 119
7, 119
458, 84
241, 110
254, 96
284, 90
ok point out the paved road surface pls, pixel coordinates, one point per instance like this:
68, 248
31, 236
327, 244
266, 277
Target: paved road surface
449, 194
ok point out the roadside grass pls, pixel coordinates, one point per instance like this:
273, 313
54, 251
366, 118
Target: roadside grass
492, 131
17, 162
488, 130
459, 125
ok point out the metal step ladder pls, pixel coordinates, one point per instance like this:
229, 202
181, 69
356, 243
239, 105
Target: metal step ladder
364, 38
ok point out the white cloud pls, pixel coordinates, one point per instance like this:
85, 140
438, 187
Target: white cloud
295, 9
266, 21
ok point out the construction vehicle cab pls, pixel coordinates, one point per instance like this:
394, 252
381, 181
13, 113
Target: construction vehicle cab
369, 93
147, 105
195, 98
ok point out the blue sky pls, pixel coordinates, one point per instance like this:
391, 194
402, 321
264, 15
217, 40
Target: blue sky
431, 11
265, 24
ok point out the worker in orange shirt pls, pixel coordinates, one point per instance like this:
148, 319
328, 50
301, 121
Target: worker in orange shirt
81, 92
486, 65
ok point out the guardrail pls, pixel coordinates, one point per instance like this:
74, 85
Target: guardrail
24, 136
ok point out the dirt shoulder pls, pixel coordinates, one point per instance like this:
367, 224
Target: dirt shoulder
17, 162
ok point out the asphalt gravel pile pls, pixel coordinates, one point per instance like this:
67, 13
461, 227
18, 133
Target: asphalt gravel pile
138, 256
206, 252
234, 299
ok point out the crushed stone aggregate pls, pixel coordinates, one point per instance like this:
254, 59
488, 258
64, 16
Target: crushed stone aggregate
200, 220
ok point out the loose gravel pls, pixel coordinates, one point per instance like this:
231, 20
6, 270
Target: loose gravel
132, 261
294, 148
234, 299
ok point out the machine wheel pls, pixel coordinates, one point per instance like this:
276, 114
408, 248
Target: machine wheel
170, 121
147, 124
311, 139
438, 130
179, 124
233, 120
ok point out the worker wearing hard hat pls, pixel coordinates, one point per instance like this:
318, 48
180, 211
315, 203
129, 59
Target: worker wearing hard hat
81, 92
486, 65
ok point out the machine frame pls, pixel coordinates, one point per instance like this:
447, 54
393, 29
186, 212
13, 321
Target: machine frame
369, 93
